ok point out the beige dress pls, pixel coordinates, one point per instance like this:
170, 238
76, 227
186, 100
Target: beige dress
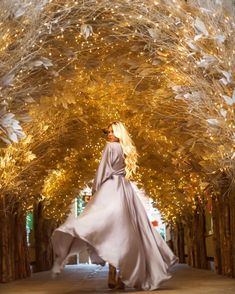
115, 228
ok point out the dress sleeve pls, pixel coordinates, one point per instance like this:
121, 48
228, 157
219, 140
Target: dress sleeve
104, 170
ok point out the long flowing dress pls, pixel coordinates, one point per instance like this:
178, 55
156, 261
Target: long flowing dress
115, 228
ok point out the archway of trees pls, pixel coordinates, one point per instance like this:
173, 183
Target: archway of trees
165, 68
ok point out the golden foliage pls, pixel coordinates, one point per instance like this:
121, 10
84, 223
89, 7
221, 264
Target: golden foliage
165, 68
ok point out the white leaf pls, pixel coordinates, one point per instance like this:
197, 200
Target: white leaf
11, 127
206, 60
220, 39
15, 125
228, 77
19, 12
191, 45
200, 26
8, 79
223, 112
230, 100
42, 61
46, 62
156, 62
213, 121
227, 74
41, 4
197, 37
13, 137
187, 95
205, 10
6, 119
195, 95
153, 33
37, 63
224, 81
86, 30
177, 21
176, 88
233, 155
20, 134
179, 96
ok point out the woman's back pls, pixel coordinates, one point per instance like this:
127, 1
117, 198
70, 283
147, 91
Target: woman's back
117, 158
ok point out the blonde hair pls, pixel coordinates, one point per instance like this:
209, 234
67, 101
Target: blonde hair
128, 147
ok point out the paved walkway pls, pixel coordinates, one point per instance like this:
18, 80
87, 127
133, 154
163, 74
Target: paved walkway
91, 279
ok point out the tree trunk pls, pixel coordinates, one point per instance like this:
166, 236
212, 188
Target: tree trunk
200, 238
216, 235
226, 237
43, 229
189, 238
232, 224
224, 232
195, 236
14, 262
180, 242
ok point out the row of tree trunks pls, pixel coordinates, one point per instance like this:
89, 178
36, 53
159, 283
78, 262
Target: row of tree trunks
223, 209
232, 227
14, 258
43, 229
178, 244
196, 239
14, 263
200, 238
216, 235
193, 232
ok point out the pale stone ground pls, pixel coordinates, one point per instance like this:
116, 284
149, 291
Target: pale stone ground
91, 279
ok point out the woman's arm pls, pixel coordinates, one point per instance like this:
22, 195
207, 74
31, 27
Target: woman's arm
104, 170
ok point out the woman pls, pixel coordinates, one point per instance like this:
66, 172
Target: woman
114, 226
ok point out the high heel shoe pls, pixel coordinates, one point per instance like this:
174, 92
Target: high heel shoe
112, 277
120, 285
